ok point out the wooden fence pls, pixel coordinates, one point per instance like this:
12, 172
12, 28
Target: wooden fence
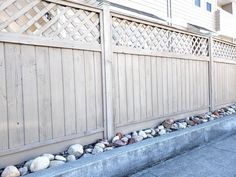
74, 74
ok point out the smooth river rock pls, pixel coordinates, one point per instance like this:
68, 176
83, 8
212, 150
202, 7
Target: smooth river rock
10, 171
40, 163
77, 150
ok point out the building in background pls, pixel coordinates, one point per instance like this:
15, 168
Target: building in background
216, 17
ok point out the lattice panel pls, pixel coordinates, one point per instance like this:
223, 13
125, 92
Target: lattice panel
224, 50
138, 35
37, 17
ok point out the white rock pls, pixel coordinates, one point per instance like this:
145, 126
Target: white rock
97, 150
160, 127
55, 163
89, 150
23, 171
162, 132
10, 171
108, 148
101, 145
125, 139
182, 125
61, 158
137, 138
142, 133
134, 133
50, 156
76, 150
128, 136
71, 158
39, 163
148, 131
115, 139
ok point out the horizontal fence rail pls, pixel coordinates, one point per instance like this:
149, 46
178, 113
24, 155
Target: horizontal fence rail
70, 73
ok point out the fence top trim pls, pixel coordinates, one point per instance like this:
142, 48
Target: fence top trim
224, 41
75, 4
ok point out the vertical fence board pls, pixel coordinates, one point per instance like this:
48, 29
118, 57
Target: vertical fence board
136, 78
14, 95
30, 98
116, 88
3, 102
149, 88
98, 83
164, 85
143, 98
154, 87
122, 88
58, 119
174, 86
69, 91
44, 93
90, 90
130, 89
160, 86
80, 91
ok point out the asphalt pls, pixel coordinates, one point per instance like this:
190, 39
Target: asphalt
217, 159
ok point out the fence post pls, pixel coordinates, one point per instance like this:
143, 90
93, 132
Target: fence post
211, 74
106, 39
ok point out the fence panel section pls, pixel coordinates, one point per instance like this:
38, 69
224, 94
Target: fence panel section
224, 77
51, 77
158, 72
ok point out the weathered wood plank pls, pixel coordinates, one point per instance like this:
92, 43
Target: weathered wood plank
136, 74
3, 102
169, 86
174, 86
80, 91
148, 79
98, 83
58, 118
143, 97
154, 87
30, 95
44, 93
160, 86
69, 91
122, 88
164, 85
14, 95
90, 90
116, 89
130, 87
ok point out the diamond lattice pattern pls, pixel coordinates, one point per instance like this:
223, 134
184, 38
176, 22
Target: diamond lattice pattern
37, 17
138, 35
224, 50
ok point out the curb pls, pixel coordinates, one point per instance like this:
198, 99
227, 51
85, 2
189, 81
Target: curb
126, 160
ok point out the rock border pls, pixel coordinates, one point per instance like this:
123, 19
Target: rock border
139, 154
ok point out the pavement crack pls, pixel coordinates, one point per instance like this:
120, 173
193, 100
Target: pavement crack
222, 149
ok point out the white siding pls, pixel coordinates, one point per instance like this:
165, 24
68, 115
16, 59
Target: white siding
157, 8
184, 12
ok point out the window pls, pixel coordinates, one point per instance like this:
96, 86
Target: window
198, 3
208, 6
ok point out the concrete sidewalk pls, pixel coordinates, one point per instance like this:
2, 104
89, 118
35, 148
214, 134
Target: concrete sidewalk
217, 159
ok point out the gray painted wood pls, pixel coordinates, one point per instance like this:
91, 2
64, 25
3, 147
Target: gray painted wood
14, 95
3, 102
30, 95
44, 93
